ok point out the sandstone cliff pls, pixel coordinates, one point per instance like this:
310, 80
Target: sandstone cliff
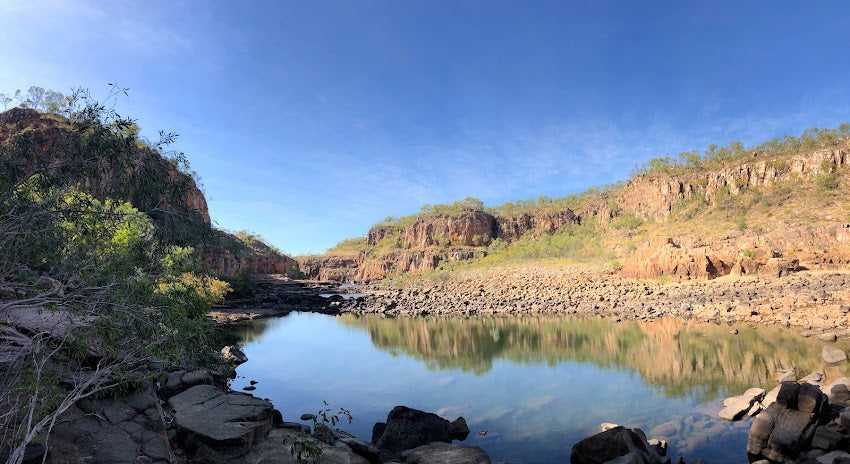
97, 162
106, 164
653, 196
702, 245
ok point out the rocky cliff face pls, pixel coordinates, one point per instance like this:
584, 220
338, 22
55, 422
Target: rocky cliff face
255, 257
654, 196
469, 228
776, 250
335, 268
365, 268
105, 165
513, 227
96, 162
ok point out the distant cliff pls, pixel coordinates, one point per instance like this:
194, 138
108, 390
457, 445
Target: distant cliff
754, 213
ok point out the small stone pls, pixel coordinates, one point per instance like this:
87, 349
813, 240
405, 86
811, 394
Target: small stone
607, 425
307, 417
249, 388
814, 378
827, 336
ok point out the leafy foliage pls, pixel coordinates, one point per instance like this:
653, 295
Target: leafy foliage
125, 283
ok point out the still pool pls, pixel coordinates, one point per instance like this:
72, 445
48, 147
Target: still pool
536, 385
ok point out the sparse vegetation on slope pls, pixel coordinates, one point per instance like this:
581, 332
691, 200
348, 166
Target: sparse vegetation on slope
731, 189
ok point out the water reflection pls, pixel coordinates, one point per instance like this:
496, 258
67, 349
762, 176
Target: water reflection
680, 357
537, 384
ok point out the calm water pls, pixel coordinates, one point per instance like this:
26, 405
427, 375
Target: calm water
537, 385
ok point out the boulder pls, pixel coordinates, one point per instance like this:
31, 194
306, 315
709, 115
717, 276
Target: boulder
737, 407
233, 355
408, 428
180, 381
832, 354
787, 426
617, 445
445, 453
215, 426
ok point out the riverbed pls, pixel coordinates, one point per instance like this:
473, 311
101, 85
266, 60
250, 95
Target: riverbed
529, 387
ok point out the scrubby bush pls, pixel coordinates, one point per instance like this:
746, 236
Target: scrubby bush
627, 221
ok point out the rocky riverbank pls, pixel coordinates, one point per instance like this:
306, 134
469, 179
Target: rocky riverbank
276, 296
817, 301
192, 416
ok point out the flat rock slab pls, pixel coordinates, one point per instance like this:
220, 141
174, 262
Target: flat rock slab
445, 453
275, 450
217, 426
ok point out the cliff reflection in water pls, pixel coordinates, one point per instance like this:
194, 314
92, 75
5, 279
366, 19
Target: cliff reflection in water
679, 357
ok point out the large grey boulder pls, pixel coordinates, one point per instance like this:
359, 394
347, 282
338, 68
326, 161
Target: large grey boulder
787, 426
618, 445
408, 428
218, 427
126, 429
445, 453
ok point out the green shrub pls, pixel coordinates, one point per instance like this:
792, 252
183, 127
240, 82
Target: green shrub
627, 221
826, 182
242, 285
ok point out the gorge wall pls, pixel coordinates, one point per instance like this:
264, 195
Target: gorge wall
428, 241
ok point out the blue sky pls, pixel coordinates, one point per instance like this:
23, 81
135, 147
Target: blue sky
309, 121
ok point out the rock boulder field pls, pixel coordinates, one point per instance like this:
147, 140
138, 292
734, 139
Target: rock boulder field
815, 301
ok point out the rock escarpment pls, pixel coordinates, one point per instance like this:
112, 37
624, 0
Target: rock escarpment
106, 164
233, 256
97, 162
768, 247
428, 242
653, 196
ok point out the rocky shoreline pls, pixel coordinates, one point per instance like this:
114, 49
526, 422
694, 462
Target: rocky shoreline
817, 301
814, 301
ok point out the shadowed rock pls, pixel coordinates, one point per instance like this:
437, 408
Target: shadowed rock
617, 445
408, 428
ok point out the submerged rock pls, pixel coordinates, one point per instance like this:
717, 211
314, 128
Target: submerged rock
833, 355
738, 406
